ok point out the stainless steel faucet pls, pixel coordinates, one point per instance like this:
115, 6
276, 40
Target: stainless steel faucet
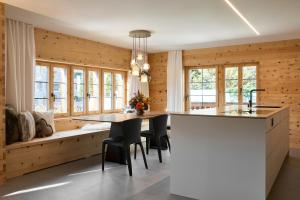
251, 94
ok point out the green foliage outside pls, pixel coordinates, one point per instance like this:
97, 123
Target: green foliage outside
203, 79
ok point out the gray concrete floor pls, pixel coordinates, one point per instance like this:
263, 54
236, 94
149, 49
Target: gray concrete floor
83, 179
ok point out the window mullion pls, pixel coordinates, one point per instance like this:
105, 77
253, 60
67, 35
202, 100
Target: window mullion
80, 84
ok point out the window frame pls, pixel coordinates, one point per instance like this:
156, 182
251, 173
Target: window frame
58, 65
187, 84
256, 82
240, 67
88, 69
73, 113
113, 72
220, 82
70, 87
238, 83
49, 81
124, 75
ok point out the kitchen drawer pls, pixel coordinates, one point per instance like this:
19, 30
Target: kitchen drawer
272, 121
273, 138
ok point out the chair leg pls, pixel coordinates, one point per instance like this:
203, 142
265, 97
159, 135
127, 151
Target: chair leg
144, 156
147, 145
168, 142
103, 155
135, 150
159, 149
128, 160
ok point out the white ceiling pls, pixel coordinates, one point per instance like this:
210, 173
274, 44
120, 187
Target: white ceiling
176, 24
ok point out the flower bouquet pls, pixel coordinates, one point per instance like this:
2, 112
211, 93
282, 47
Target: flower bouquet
140, 103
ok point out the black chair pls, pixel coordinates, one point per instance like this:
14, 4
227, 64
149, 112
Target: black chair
131, 130
157, 131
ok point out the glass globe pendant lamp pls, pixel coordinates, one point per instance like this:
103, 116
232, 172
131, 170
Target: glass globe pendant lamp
139, 62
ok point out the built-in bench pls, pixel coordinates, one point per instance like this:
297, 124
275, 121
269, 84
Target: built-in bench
63, 146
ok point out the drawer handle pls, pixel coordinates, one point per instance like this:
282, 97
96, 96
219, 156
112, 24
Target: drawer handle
272, 122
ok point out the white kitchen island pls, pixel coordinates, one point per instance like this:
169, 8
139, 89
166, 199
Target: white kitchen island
226, 153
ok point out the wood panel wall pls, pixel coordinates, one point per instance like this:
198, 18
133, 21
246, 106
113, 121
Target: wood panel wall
58, 47
2, 93
278, 73
158, 83
53, 46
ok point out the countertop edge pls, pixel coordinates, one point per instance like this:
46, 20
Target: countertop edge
233, 116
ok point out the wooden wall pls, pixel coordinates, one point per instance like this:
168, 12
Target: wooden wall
2, 92
52, 46
158, 83
279, 73
58, 47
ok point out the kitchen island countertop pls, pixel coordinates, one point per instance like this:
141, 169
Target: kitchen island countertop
235, 111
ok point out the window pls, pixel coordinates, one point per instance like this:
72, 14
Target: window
231, 85
119, 91
239, 80
93, 91
113, 91
249, 83
78, 90
107, 78
207, 87
75, 90
201, 88
41, 88
60, 89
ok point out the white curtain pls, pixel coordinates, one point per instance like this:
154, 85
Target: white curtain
20, 64
175, 99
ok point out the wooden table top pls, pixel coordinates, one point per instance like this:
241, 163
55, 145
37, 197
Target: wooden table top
117, 117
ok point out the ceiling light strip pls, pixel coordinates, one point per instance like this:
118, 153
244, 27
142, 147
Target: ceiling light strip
241, 16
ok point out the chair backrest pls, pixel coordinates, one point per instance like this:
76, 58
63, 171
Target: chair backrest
132, 130
158, 125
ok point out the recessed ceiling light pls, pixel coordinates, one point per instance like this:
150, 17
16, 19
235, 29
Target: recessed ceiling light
241, 16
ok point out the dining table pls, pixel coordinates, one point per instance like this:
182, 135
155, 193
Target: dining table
115, 154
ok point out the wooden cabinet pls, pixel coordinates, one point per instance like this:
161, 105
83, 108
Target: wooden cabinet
277, 145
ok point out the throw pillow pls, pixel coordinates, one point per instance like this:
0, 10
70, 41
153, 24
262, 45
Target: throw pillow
43, 129
11, 123
48, 116
26, 125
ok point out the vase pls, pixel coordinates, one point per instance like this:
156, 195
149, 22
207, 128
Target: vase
139, 112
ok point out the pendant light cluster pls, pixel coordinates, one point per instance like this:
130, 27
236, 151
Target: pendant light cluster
139, 61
